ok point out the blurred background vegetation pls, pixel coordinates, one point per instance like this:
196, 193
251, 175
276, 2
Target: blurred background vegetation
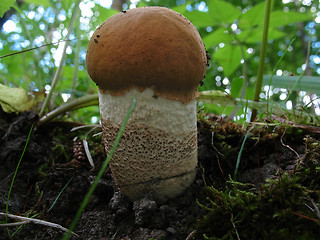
59, 32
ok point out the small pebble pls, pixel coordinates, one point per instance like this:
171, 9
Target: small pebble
171, 230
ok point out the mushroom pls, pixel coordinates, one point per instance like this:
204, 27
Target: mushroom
157, 56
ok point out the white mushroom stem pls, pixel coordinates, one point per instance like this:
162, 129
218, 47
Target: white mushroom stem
157, 154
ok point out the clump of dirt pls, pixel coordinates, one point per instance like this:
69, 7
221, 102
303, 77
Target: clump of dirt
54, 177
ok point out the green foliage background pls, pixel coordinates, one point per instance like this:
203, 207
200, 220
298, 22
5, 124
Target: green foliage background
231, 31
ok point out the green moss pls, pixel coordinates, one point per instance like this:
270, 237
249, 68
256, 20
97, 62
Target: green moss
283, 208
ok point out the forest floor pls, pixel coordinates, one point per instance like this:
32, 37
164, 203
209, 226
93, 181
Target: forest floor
274, 194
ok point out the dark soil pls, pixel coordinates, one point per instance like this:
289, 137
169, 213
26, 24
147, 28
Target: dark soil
54, 177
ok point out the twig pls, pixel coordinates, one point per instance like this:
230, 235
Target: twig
191, 235
234, 226
14, 224
86, 149
86, 146
316, 209
85, 126
30, 49
36, 221
306, 217
287, 146
97, 134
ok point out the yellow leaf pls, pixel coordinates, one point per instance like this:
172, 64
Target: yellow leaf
15, 99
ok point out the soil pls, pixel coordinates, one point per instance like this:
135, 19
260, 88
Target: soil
54, 176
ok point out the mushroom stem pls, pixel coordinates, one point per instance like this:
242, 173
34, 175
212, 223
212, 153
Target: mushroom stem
157, 154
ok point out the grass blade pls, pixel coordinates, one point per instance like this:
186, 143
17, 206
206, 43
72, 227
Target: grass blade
102, 170
54, 202
240, 152
15, 174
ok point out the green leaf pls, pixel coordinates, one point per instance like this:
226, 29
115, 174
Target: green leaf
5, 5
227, 103
253, 17
236, 87
142, 3
104, 13
218, 36
306, 83
217, 102
229, 58
223, 12
281, 18
200, 19
255, 35
249, 92
44, 3
220, 110
181, 8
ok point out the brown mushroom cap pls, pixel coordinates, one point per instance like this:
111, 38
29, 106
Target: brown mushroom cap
148, 47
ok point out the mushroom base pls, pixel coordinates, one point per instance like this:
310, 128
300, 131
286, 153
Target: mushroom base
157, 154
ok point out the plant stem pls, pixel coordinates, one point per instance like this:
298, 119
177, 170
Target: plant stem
75, 104
262, 56
57, 73
76, 58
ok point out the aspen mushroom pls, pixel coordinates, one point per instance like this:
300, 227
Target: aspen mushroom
156, 55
